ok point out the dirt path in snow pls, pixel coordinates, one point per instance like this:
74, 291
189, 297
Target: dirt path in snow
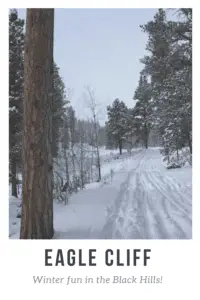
151, 204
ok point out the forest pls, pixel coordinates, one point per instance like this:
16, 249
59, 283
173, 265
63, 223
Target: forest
53, 154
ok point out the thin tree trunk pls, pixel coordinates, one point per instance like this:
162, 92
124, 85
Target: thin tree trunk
73, 160
177, 155
81, 166
120, 147
13, 177
98, 163
65, 136
67, 176
37, 202
146, 136
91, 167
97, 147
188, 133
189, 141
74, 170
190, 145
146, 142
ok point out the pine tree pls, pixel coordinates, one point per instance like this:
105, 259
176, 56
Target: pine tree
143, 110
58, 109
117, 120
169, 65
109, 140
37, 202
16, 52
182, 58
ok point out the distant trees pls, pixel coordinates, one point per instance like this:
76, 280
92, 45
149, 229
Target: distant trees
16, 70
37, 201
116, 124
143, 111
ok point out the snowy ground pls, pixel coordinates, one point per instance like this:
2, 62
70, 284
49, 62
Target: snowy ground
143, 200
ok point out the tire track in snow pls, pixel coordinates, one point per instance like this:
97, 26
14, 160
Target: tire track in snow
160, 229
149, 205
173, 197
144, 216
113, 227
163, 214
175, 186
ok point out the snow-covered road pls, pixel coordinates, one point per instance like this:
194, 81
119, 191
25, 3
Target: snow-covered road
143, 201
153, 203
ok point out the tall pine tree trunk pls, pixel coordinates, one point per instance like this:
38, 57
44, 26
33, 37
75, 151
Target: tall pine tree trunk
37, 202
13, 177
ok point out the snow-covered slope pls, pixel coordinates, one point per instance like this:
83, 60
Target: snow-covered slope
138, 198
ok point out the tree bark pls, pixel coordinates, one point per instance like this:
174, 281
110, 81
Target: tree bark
37, 202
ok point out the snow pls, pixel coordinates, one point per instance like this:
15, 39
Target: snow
139, 199
184, 158
13, 108
14, 210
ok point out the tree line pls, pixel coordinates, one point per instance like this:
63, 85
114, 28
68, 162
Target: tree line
164, 93
70, 135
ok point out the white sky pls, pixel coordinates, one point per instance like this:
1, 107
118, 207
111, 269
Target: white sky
101, 48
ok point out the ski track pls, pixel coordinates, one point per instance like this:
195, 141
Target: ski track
143, 200
150, 204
